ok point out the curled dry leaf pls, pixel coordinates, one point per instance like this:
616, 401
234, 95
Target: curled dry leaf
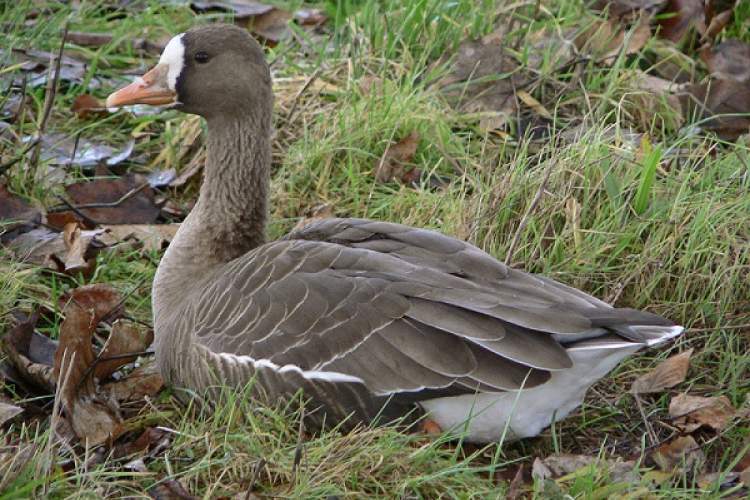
682, 451
153, 439
692, 412
51, 249
393, 164
667, 374
142, 382
125, 338
94, 421
30, 354
76, 246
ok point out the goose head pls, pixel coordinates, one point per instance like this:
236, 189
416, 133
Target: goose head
212, 70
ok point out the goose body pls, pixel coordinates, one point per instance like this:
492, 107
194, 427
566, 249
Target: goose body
371, 320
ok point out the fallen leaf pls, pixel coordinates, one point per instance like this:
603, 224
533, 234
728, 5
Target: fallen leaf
8, 412
556, 466
310, 17
729, 60
679, 16
48, 248
482, 81
151, 438
31, 354
76, 246
149, 237
682, 451
724, 479
15, 212
535, 105
136, 200
161, 178
692, 412
88, 39
722, 106
169, 490
87, 106
272, 26
605, 40
94, 420
125, 338
667, 374
393, 163
36, 62
63, 150
141, 382
655, 98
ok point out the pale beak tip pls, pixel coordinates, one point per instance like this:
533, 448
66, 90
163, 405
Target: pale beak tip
110, 103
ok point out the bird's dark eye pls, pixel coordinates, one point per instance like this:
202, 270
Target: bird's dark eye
201, 57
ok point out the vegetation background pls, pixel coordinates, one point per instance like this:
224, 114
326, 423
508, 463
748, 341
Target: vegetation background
567, 138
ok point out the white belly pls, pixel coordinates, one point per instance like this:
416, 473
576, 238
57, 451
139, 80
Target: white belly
486, 417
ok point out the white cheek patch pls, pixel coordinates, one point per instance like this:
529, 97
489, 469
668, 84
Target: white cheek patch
173, 57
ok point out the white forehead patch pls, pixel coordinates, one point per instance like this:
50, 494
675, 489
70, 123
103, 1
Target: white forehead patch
174, 57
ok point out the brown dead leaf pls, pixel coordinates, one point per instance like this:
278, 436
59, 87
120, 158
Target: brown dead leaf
170, 490
682, 451
136, 200
31, 354
146, 236
150, 439
87, 106
94, 420
15, 213
88, 39
49, 248
729, 60
667, 374
483, 80
76, 247
679, 16
692, 412
272, 26
125, 338
310, 17
393, 164
141, 382
723, 106
605, 40
654, 98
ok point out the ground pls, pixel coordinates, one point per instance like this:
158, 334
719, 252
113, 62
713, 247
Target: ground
566, 166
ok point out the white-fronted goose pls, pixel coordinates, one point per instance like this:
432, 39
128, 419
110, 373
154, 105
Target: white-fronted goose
370, 319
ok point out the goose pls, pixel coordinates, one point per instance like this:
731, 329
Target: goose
373, 321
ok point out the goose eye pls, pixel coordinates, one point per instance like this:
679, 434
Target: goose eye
201, 57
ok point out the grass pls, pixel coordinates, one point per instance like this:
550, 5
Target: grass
657, 223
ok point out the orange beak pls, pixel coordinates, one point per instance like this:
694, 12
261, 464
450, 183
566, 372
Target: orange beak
152, 88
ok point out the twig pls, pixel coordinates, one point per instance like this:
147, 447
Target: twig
649, 429
49, 97
529, 211
109, 204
